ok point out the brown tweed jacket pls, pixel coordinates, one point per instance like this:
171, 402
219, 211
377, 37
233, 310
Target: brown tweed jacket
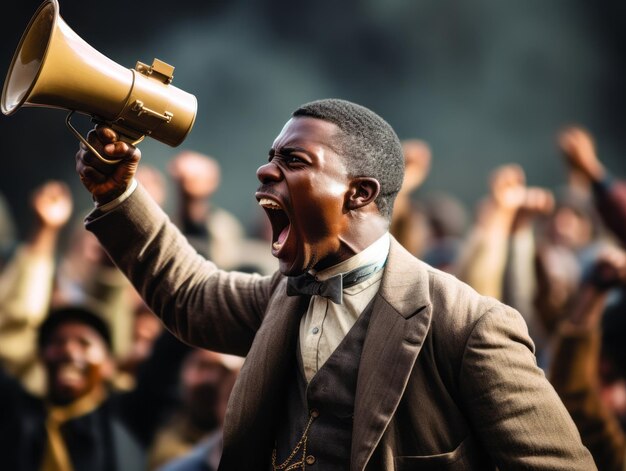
447, 378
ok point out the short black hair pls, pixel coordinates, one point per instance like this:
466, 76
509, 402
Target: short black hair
80, 314
368, 143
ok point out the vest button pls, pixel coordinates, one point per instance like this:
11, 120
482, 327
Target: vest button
310, 460
315, 330
315, 413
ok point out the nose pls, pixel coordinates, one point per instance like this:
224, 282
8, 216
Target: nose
269, 173
70, 350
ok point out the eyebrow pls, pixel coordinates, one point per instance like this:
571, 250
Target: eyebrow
285, 151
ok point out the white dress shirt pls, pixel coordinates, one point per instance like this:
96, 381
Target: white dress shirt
325, 323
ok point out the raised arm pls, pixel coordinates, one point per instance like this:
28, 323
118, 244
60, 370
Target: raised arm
609, 194
26, 284
576, 359
483, 258
200, 304
211, 230
520, 284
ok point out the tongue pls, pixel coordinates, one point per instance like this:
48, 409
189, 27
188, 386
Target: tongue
283, 235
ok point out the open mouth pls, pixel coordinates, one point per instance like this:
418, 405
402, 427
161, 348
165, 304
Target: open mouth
279, 221
69, 373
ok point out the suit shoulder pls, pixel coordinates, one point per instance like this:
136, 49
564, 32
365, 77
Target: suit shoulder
456, 306
453, 296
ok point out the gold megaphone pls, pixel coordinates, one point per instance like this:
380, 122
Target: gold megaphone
54, 67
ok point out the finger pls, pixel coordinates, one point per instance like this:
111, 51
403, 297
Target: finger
88, 173
89, 159
87, 163
118, 149
106, 134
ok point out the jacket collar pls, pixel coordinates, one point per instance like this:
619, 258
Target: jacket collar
400, 322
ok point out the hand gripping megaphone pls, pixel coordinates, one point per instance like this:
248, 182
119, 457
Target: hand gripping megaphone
53, 67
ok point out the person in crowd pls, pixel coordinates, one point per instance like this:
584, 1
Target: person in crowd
588, 368
446, 220
508, 206
569, 243
498, 258
87, 276
609, 194
358, 355
146, 330
26, 285
82, 424
205, 456
206, 381
213, 231
409, 225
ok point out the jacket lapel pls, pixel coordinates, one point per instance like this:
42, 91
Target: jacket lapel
252, 408
399, 324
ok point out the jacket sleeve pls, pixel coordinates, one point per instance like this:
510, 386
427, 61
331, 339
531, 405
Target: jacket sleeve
199, 303
510, 403
610, 200
25, 293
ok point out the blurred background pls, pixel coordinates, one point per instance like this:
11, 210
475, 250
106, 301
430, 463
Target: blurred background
483, 82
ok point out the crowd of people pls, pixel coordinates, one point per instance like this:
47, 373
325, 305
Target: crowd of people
82, 356
87, 370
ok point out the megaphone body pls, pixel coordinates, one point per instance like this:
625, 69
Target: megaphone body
54, 67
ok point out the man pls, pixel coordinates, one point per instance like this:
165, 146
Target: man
405, 368
77, 427
82, 425
26, 286
211, 230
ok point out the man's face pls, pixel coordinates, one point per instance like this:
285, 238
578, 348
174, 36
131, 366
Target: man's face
303, 190
77, 361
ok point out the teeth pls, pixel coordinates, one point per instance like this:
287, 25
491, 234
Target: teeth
268, 203
69, 372
277, 245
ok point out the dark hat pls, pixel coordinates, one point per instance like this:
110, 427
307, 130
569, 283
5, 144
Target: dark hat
79, 314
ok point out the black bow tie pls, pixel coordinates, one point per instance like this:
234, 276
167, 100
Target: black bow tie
333, 287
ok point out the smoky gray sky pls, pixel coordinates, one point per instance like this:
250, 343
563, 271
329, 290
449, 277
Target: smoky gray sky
483, 82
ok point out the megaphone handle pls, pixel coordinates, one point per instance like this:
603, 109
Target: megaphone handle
80, 137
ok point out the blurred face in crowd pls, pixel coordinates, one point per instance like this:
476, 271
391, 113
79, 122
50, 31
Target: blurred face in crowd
77, 361
570, 228
303, 190
206, 385
558, 277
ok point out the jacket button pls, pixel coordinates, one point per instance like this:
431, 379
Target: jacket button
315, 413
310, 460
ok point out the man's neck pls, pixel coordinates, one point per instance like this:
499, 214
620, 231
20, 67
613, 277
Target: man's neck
375, 252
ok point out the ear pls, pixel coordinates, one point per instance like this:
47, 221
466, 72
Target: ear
362, 191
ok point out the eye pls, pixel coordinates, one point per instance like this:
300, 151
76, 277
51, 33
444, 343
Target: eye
290, 158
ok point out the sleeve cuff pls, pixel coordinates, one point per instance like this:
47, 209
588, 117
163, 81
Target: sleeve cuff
119, 200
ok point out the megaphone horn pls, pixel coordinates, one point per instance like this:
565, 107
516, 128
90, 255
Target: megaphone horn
53, 67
